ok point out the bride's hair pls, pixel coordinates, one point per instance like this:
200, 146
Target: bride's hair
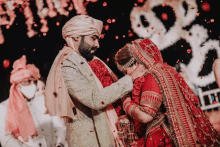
123, 56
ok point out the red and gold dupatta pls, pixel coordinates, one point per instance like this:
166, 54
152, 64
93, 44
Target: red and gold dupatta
187, 123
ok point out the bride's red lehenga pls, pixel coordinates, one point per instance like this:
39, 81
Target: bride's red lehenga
146, 94
163, 94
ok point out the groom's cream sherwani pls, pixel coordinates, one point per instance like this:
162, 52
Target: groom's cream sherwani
91, 129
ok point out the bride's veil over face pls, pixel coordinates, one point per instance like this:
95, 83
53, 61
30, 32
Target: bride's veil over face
146, 52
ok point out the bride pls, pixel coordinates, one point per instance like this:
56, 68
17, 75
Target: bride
162, 108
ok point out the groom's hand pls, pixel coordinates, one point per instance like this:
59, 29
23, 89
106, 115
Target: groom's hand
138, 72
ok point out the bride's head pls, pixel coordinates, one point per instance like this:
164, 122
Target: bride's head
124, 60
140, 51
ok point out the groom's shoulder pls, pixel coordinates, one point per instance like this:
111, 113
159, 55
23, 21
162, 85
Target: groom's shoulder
73, 57
73, 60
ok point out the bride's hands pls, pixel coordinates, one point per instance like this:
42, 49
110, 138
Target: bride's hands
138, 72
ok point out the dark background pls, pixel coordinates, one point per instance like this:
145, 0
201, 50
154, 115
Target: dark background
47, 47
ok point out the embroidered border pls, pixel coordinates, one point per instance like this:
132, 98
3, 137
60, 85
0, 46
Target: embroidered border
128, 64
152, 99
156, 122
148, 110
129, 107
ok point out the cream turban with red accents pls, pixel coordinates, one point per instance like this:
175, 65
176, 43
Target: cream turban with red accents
82, 25
22, 71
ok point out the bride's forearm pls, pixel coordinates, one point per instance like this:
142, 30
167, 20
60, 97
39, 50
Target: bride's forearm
134, 111
140, 115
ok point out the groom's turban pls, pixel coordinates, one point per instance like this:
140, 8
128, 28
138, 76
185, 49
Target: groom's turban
81, 25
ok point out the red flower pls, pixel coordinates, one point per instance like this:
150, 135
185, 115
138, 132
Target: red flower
136, 96
136, 93
105, 78
101, 72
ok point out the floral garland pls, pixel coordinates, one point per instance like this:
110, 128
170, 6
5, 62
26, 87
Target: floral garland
54, 6
30, 20
42, 13
135, 97
10, 11
105, 78
101, 72
78, 4
2, 12
1, 35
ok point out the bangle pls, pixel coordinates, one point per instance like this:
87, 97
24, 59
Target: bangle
131, 110
128, 107
125, 105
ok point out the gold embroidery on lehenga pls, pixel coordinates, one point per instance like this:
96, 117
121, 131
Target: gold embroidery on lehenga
148, 110
150, 102
185, 118
152, 99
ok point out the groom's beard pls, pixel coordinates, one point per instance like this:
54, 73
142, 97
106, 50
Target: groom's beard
85, 50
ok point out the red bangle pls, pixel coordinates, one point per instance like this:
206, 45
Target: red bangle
128, 106
125, 105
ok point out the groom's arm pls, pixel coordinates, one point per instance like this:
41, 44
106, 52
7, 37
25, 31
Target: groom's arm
83, 91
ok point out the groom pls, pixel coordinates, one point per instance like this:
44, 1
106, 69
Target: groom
80, 86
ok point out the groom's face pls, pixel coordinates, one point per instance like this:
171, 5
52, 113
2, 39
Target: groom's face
88, 46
